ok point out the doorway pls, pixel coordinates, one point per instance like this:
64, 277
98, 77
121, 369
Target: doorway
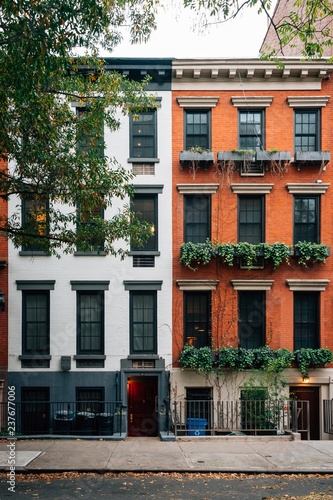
142, 395
310, 394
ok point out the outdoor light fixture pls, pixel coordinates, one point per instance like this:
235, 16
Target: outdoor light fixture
2, 301
306, 379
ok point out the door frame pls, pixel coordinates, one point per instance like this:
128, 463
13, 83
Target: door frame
318, 390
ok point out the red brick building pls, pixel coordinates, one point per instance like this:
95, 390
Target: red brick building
236, 193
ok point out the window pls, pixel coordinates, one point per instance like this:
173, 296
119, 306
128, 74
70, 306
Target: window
90, 135
251, 228
306, 320
196, 218
96, 244
197, 129
36, 322
143, 322
251, 130
35, 221
197, 319
251, 319
90, 322
89, 399
145, 207
307, 123
143, 135
306, 219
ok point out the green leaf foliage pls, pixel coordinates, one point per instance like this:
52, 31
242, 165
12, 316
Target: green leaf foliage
311, 358
56, 156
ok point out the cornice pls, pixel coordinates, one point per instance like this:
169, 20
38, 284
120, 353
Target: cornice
317, 285
253, 101
307, 187
197, 101
197, 188
251, 188
311, 101
252, 284
204, 285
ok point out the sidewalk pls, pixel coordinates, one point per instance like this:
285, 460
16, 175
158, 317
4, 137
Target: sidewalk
232, 454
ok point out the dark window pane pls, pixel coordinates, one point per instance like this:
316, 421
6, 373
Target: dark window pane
250, 219
36, 322
90, 322
197, 218
307, 130
143, 135
197, 132
306, 219
306, 320
251, 319
251, 130
90, 135
143, 322
35, 219
197, 319
145, 207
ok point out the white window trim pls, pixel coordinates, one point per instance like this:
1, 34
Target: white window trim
253, 101
251, 188
196, 285
318, 285
197, 188
193, 101
240, 285
311, 101
308, 187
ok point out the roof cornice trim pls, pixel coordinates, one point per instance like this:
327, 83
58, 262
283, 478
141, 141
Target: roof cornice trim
193, 101
308, 101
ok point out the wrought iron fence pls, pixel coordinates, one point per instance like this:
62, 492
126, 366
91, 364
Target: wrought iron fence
264, 417
328, 416
80, 418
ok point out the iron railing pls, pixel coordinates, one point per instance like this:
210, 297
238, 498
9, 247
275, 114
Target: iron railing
328, 415
264, 417
80, 418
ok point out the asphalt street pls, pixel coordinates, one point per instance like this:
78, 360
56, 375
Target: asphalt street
178, 486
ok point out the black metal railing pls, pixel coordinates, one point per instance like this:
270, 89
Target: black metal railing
80, 418
264, 417
328, 415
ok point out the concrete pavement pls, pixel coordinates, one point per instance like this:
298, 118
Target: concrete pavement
226, 454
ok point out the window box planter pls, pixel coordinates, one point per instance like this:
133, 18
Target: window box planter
246, 156
278, 156
313, 157
297, 253
193, 156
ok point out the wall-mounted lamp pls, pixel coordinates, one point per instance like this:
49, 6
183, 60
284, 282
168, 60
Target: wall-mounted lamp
306, 379
2, 301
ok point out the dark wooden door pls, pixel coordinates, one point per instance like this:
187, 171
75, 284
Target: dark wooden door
311, 394
142, 417
35, 413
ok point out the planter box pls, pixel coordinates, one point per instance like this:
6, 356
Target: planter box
278, 156
297, 253
191, 156
247, 156
313, 157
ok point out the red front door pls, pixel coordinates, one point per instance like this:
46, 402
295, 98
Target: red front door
142, 417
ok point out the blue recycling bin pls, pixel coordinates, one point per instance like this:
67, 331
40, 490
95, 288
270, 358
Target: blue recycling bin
196, 426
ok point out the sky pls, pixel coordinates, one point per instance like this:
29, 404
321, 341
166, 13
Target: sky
178, 36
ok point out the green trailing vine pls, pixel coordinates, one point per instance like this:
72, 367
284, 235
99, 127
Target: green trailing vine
194, 254
263, 359
312, 357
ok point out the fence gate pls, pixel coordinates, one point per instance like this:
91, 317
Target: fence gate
328, 416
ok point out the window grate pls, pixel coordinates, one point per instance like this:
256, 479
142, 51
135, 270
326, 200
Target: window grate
143, 364
143, 168
143, 261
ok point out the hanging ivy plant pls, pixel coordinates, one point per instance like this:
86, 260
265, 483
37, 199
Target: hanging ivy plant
312, 357
314, 252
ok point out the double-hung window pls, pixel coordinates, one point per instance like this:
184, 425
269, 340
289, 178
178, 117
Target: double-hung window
145, 208
251, 130
90, 322
251, 319
143, 322
89, 399
143, 136
197, 129
88, 217
306, 218
90, 132
197, 215
35, 222
306, 320
251, 220
307, 130
36, 322
197, 318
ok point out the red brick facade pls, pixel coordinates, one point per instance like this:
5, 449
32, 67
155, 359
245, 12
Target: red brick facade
279, 127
